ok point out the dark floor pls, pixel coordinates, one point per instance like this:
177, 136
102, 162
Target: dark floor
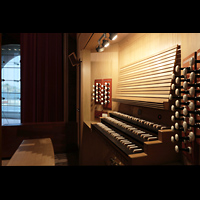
66, 159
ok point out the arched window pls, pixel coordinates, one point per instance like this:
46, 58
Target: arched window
11, 84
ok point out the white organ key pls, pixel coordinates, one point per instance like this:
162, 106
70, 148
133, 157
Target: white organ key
132, 128
133, 147
137, 150
152, 138
139, 132
145, 135
120, 138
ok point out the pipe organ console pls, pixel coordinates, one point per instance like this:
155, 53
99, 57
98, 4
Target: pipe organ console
139, 132
186, 116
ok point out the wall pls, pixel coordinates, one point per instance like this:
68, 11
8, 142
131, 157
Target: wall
105, 65
138, 46
190, 42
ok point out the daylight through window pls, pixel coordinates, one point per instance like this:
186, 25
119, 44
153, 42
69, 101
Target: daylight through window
10, 84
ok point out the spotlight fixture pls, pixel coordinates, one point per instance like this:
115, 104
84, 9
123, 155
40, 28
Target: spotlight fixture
100, 48
106, 41
113, 36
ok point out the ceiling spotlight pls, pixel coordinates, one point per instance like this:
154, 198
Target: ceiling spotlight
99, 48
113, 36
105, 43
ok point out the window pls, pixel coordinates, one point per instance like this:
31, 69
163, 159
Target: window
10, 84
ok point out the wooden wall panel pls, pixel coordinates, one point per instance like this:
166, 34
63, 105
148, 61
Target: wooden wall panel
105, 65
137, 46
149, 79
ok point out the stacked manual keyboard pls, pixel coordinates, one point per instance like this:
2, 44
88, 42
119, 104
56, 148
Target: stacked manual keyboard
128, 133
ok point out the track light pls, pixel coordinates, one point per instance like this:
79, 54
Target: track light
113, 36
106, 41
99, 48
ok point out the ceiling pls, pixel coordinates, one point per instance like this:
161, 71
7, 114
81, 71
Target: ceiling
94, 40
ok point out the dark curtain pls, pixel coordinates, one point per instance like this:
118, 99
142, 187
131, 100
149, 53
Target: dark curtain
41, 77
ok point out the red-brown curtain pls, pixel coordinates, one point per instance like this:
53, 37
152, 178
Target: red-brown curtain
41, 77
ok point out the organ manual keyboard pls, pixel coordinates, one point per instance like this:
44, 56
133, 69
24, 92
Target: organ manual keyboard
141, 141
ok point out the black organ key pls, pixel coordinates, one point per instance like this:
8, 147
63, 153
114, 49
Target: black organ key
136, 131
124, 141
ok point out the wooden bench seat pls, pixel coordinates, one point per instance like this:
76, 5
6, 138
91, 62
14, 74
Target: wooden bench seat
34, 152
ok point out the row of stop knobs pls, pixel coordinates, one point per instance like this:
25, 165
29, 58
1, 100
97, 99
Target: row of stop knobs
101, 93
180, 107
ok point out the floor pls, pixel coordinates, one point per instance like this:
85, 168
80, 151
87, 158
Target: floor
62, 159
66, 159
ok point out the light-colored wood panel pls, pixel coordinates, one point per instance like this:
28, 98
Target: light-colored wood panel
141, 45
157, 76
153, 68
145, 90
146, 73
144, 99
145, 86
151, 62
144, 79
